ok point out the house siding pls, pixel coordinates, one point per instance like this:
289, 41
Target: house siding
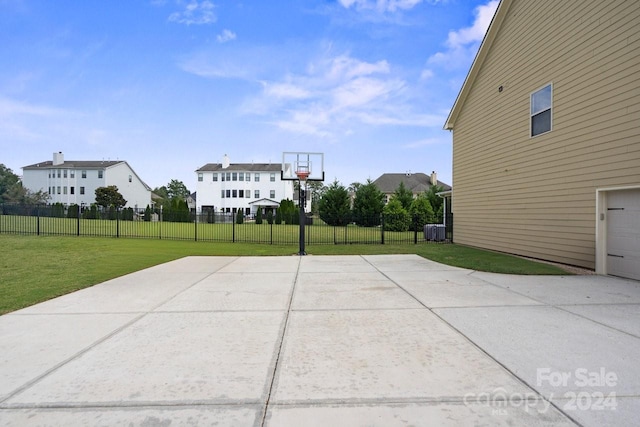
537, 196
209, 191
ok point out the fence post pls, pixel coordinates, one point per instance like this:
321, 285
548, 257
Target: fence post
117, 222
382, 229
78, 223
415, 229
38, 221
233, 227
195, 225
271, 237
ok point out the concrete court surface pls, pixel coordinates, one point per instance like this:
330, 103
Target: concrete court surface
385, 340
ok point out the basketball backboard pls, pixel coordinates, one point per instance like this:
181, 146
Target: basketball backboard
302, 166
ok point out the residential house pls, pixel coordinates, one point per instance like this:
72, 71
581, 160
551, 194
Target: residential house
417, 183
75, 181
546, 135
228, 187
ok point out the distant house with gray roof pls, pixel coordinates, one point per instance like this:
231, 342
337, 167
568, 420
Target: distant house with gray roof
417, 183
75, 181
229, 187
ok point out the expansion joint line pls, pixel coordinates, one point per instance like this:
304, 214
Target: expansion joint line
280, 344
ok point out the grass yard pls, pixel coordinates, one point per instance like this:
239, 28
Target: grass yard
37, 268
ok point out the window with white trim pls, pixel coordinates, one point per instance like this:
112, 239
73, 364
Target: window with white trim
541, 102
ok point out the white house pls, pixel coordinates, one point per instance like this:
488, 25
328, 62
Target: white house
75, 182
228, 187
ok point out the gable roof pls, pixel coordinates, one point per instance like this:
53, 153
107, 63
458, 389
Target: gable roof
265, 202
414, 182
85, 164
72, 164
487, 41
244, 167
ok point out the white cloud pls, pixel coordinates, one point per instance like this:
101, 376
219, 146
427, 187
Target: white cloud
285, 91
362, 91
225, 36
475, 33
9, 107
328, 95
382, 5
335, 95
195, 12
463, 44
426, 74
424, 142
343, 67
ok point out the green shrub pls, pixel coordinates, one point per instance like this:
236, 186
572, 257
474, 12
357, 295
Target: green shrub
396, 218
259, 216
73, 211
240, 216
421, 212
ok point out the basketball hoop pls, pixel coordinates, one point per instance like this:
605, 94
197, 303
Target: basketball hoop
302, 175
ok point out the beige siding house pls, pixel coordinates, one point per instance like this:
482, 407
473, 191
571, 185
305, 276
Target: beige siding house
546, 135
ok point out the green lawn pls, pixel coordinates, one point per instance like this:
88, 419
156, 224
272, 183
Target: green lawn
37, 268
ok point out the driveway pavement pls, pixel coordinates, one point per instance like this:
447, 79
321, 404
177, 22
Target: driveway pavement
379, 340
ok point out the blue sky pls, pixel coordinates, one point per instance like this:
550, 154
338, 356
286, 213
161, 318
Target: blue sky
170, 85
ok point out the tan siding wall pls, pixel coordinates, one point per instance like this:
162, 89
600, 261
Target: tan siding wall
536, 196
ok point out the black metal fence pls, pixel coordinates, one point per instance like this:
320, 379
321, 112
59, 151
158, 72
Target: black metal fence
210, 226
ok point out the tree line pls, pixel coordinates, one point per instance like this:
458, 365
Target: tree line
403, 212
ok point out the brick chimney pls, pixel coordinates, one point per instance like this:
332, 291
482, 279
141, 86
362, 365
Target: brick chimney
434, 178
58, 158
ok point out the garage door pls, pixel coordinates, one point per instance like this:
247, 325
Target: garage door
623, 233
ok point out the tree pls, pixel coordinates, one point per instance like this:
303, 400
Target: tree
421, 212
161, 191
240, 216
396, 218
259, 216
353, 187
270, 217
278, 218
73, 211
334, 206
8, 179
147, 214
18, 194
108, 196
288, 212
368, 205
317, 189
177, 190
403, 195
436, 203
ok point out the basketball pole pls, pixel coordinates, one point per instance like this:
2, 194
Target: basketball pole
303, 217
